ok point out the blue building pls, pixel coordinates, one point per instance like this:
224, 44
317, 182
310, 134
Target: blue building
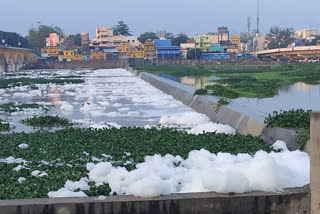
165, 50
214, 56
217, 48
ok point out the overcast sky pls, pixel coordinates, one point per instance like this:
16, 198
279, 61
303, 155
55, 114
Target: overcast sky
189, 16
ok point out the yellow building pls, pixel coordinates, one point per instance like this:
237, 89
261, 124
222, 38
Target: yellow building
69, 54
97, 56
149, 49
127, 51
78, 57
51, 51
235, 40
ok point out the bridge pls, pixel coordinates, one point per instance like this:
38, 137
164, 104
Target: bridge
303, 52
14, 59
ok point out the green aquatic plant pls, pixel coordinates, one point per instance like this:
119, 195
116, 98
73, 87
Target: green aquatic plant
47, 121
298, 119
16, 82
4, 126
63, 154
15, 107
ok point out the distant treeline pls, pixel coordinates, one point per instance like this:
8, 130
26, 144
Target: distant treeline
13, 40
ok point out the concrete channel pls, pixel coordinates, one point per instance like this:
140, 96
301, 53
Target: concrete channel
290, 201
206, 105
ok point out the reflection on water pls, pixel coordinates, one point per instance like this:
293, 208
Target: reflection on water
297, 96
196, 81
199, 82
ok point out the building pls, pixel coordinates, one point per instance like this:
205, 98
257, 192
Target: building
104, 37
235, 40
85, 41
68, 55
305, 34
133, 41
185, 48
214, 56
161, 33
259, 42
165, 50
204, 41
216, 48
149, 49
53, 40
129, 51
223, 34
97, 56
50, 51
70, 43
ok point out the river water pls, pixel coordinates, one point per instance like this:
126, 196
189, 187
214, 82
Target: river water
114, 97
296, 96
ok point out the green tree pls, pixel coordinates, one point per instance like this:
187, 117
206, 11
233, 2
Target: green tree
191, 54
280, 37
37, 36
147, 35
13, 39
121, 29
169, 36
182, 38
77, 39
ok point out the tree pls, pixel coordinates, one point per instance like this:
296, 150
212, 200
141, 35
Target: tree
147, 35
182, 38
37, 36
280, 37
191, 52
77, 39
169, 36
121, 29
245, 38
13, 40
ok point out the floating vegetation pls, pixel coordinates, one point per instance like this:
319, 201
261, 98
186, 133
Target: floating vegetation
222, 101
297, 119
63, 154
47, 121
253, 81
4, 126
15, 107
16, 82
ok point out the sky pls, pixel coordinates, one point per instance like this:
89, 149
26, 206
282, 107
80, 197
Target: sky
176, 16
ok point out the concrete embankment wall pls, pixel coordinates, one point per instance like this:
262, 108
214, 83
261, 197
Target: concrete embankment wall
206, 105
291, 201
94, 64
124, 63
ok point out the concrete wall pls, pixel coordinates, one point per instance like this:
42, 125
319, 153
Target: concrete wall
206, 105
94, 64
139, 62
291, 201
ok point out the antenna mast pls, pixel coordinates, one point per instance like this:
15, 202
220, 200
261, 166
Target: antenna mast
258, 17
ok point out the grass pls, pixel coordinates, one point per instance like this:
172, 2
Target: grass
16, 82
253, 81
46, 121
67, 146
13, 107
